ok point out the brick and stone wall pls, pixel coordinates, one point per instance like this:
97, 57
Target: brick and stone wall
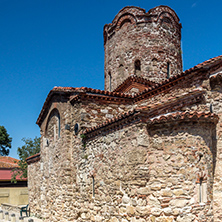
144, 44
133, 169
138, 173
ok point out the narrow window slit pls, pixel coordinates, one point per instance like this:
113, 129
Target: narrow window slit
201, 190
93, 186
168, 70
137, 65
110, 81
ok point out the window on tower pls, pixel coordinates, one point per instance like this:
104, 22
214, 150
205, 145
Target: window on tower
137, 66
168, 70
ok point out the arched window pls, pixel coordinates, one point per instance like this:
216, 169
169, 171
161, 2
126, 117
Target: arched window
137, 66
53, 125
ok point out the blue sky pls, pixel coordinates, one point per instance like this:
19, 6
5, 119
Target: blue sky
47, 43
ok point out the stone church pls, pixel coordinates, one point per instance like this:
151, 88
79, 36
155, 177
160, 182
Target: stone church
146, 148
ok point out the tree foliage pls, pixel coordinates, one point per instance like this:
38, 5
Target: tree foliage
5, 142
30, 148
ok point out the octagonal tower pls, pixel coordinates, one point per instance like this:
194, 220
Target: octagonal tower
145, 44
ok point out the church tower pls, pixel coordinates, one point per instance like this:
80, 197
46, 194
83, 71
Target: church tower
144, 44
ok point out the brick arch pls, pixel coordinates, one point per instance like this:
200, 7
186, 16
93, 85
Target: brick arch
201, 175
124, 19
166, 16
159, 10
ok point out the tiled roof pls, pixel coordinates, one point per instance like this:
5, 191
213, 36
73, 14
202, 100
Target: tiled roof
33, 158
159, 87
134, 79
81, 90
8, 162
170, 105
121, 97
156, 108
111, 121
193, 115
138, 116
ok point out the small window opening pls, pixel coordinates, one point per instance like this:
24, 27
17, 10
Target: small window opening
168, 70
201, 190
93, 186
110, 81
137, 65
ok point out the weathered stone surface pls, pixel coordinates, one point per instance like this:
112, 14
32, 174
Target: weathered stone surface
133, 169
179, 202
127, 42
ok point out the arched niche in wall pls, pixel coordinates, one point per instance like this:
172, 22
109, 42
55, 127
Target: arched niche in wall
137, 67
166, 20
121, 70
153, 65
53, 125
124, 20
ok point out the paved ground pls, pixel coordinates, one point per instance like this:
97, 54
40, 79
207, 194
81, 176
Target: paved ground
17, 215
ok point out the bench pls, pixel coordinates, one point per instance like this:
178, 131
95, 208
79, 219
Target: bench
26, 210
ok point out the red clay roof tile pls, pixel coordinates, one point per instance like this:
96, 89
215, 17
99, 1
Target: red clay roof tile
8, 162
155, 89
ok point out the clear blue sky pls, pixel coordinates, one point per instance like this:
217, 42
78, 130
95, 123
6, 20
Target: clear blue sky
47, 43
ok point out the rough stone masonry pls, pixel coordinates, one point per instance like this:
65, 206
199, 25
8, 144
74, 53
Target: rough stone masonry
148, 147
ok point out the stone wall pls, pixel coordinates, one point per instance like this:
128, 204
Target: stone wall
136, 171
34, 187
136, 175
92, 113
214, 99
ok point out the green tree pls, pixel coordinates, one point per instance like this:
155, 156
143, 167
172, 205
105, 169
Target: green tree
5, 142
30, 148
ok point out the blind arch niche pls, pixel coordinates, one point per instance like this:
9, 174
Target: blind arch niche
53, 125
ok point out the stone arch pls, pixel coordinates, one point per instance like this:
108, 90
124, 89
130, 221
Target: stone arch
52, 130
